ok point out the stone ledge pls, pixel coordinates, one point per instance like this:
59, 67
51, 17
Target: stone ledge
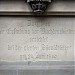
32, 14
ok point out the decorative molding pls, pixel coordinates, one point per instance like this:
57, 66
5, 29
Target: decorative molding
39, 6
62, 14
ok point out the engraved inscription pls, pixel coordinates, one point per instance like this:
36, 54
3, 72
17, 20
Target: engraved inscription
36, 39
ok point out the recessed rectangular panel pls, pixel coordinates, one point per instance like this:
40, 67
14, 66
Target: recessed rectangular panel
36, 39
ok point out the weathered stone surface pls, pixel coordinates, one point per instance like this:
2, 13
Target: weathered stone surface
36, 39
